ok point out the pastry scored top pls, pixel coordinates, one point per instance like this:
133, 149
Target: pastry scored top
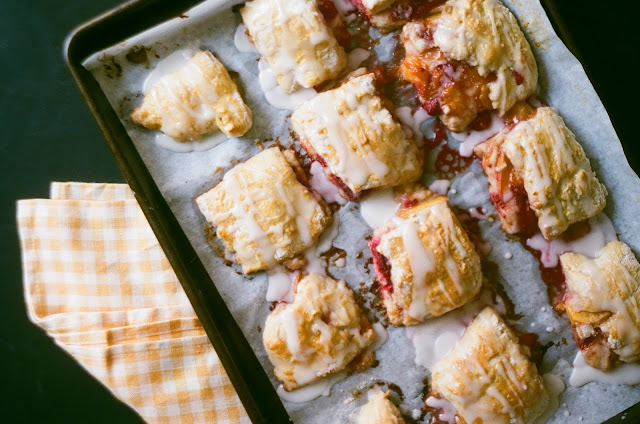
198, 98
469, 56
434, 267
295, 40
263, 212
488, 376
318, 334
555, 173
603, 303
356, 138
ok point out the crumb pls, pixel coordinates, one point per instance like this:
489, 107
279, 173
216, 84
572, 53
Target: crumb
508, 255
550, 329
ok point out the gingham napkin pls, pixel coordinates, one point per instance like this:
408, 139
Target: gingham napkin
97, 281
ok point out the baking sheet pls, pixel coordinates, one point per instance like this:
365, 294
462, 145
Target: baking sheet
183, 176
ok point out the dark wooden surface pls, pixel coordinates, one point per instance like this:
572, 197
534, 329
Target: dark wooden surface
49, 135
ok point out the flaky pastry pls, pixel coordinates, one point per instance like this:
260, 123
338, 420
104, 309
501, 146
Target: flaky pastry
263, 212
295, 40
318, 334
603, 303
425, 262
378, 410
356, 139
469, 56
538, 164
198, 98
488, 376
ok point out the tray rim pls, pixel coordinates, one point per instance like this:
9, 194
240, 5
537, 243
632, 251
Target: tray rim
259, 398
247, 375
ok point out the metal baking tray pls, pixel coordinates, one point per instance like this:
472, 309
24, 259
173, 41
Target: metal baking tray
240, 362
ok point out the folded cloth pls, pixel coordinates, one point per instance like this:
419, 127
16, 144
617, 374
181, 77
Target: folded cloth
97, 281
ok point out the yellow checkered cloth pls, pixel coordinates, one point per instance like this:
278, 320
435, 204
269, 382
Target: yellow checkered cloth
97, 281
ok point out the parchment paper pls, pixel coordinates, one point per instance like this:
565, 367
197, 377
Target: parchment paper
183, 176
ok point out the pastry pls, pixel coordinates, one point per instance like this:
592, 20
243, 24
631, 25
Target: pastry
467, 57
388, 15
198, 98
538, 172
378, 410
295, 40
356, 139
425, 262
320, 333
488, 377
263, 212
602, 300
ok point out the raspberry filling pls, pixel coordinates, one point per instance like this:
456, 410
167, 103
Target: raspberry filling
337, 181
403, 10
596, 349
382, 267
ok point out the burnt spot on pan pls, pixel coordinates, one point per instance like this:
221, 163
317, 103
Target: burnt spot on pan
111, 67
138, 55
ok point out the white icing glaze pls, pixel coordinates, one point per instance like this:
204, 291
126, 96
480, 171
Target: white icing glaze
601, 233
477, 214
485, 34
346, 9
242, 41
422, 261
440, 187
355, 58
315, 263
381, 337
448, 411
164, 68
413, 120
275, 95
555, 386
245, 211
169, 64
323, 186
435, 338
322, 387
378, 206
281, 282
624, 373
287, 34
470, 139
355, 167
206, 142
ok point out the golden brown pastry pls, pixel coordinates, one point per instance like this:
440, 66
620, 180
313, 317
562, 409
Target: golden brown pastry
488, 376
198, 98
318, 334
263, 212
537, 167
378, 410
603, 303
388, 15
356, 139
425, 262
467, 57
295, 40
